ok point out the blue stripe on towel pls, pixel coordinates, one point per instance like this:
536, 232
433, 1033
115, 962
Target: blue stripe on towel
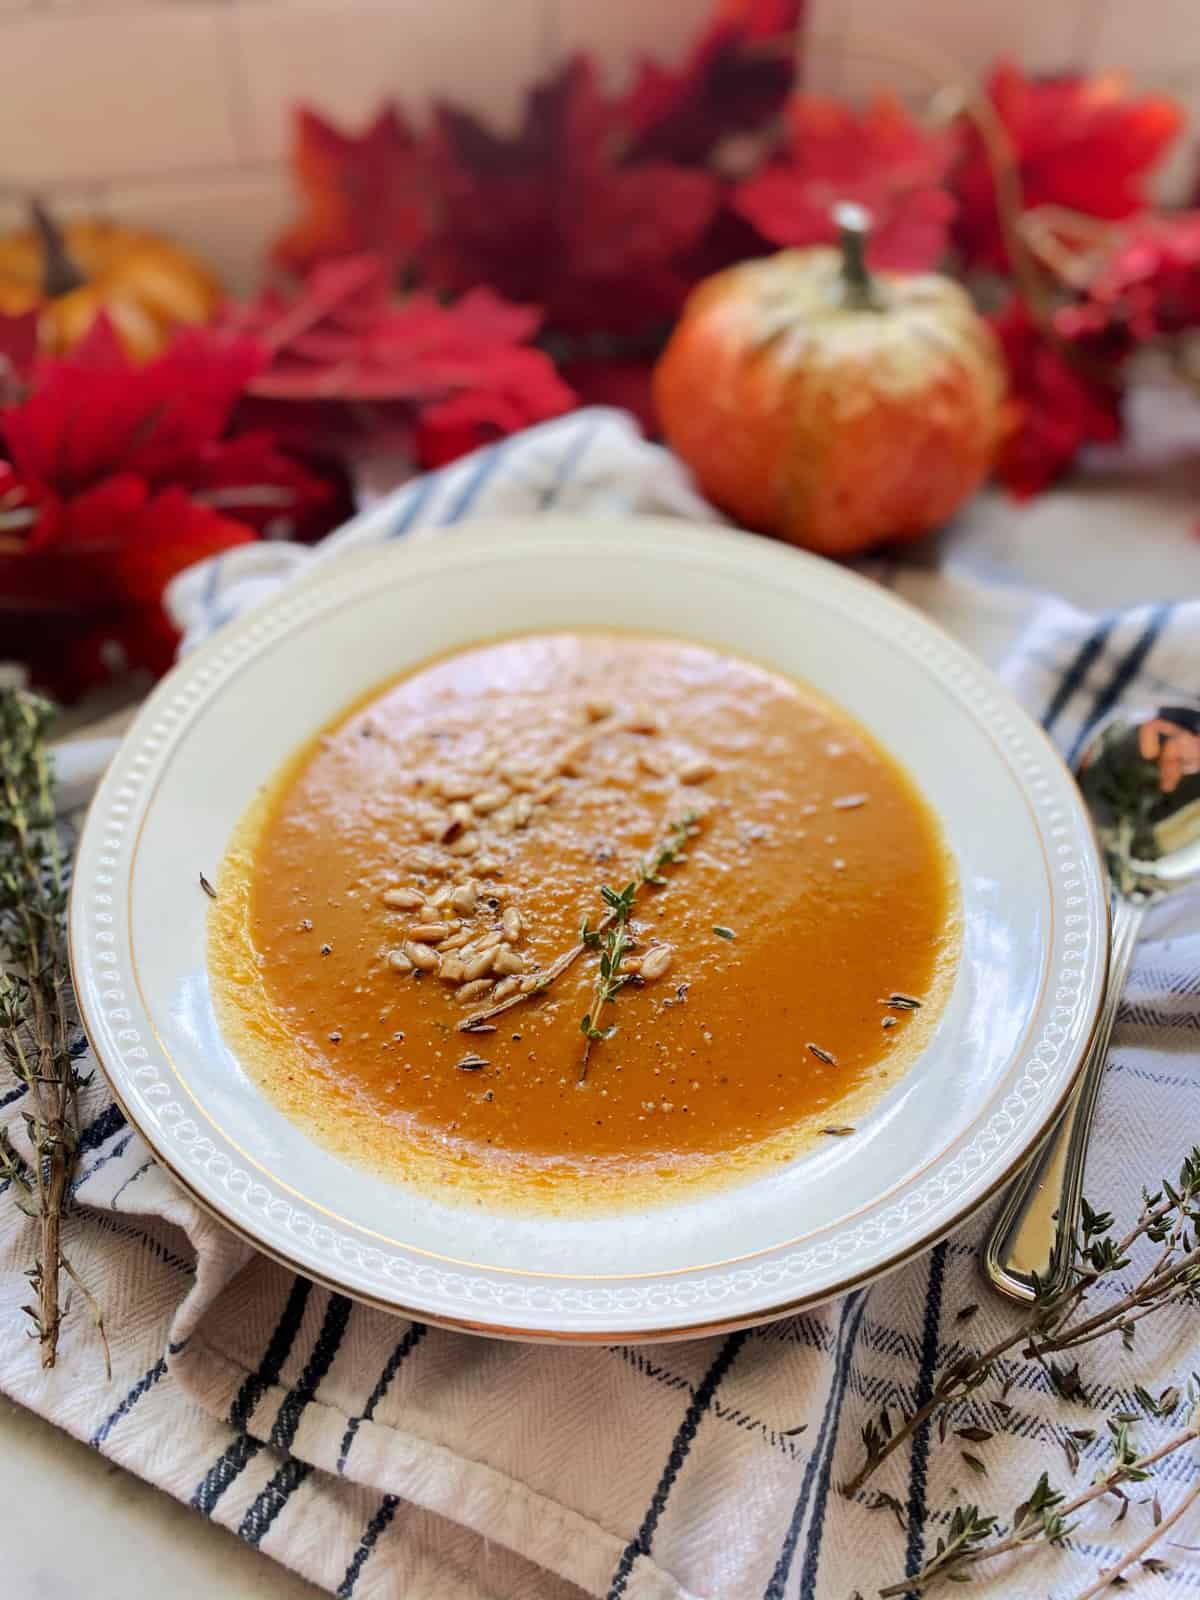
414, 503
271, 1501
232, 1460
816, 1526
377, 1526
412, 1337
484, 468
680, 1446
852, 1310
1123, 675
143, 1386
918, 1461
568, 463
1076, 674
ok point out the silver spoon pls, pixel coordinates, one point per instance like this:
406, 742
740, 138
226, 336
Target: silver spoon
1140, 776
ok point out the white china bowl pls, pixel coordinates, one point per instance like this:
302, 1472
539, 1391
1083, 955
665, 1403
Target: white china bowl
999, 1067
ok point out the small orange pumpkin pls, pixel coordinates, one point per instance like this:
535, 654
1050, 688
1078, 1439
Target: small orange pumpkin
836, 408
147, 285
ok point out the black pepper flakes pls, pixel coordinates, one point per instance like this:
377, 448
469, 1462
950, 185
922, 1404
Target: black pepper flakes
326, 949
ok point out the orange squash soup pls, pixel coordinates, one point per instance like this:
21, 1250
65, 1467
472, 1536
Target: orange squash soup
584, 919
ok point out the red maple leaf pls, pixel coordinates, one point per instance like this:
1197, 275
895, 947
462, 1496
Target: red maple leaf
465, 372
550, 217
1147, 287
734, 79
879, 158
1054, 407
118, 477
1081, 143
367, 191
18, 348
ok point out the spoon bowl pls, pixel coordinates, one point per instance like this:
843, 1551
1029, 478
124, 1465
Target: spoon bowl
1140, 776
1139, 773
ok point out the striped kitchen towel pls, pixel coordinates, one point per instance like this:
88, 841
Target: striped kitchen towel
384, 1458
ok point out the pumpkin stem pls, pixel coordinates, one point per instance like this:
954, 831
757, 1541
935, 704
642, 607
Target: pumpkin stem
854, 229
59, 273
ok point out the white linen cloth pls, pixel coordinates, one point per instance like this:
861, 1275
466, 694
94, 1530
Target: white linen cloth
383, 1458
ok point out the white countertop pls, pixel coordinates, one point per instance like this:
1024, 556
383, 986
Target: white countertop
1127, 533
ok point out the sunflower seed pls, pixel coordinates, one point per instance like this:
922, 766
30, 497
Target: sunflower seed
478, 965
506, 987
399, 962
653, 762
849, 802
642, 720
656, 962
421, 956
402, 899
451, 970
426, 861
432, 932
696, 771
489, 800
471, 1063
570, 757
456, 786
508, 963
474, 988
465, 845
463, 899
438, 900
512, 924
486, 864
456, 941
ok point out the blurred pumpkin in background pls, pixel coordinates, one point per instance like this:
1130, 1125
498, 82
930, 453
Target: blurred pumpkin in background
834, 407
147, 285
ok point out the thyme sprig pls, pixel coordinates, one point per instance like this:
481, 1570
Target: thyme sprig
649, 870
35, 1004
1044, 1517
610, 980
611, 938
1062, 1322
1057, 1324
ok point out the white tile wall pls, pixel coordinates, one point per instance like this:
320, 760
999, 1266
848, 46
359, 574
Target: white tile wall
617, 31
347, 57
173, 113
96, 93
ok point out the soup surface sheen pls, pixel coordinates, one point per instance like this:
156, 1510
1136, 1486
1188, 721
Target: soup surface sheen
500, 790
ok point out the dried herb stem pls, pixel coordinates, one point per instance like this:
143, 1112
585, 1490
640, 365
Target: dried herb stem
34, 989
1044, 1519
1111, 1575
1167, 1218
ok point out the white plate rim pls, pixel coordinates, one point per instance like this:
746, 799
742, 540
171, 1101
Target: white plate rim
208, 1166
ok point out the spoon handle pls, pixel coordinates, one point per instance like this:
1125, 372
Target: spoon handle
1034, 1231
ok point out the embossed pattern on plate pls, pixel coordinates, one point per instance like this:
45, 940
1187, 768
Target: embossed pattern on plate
180, 1110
